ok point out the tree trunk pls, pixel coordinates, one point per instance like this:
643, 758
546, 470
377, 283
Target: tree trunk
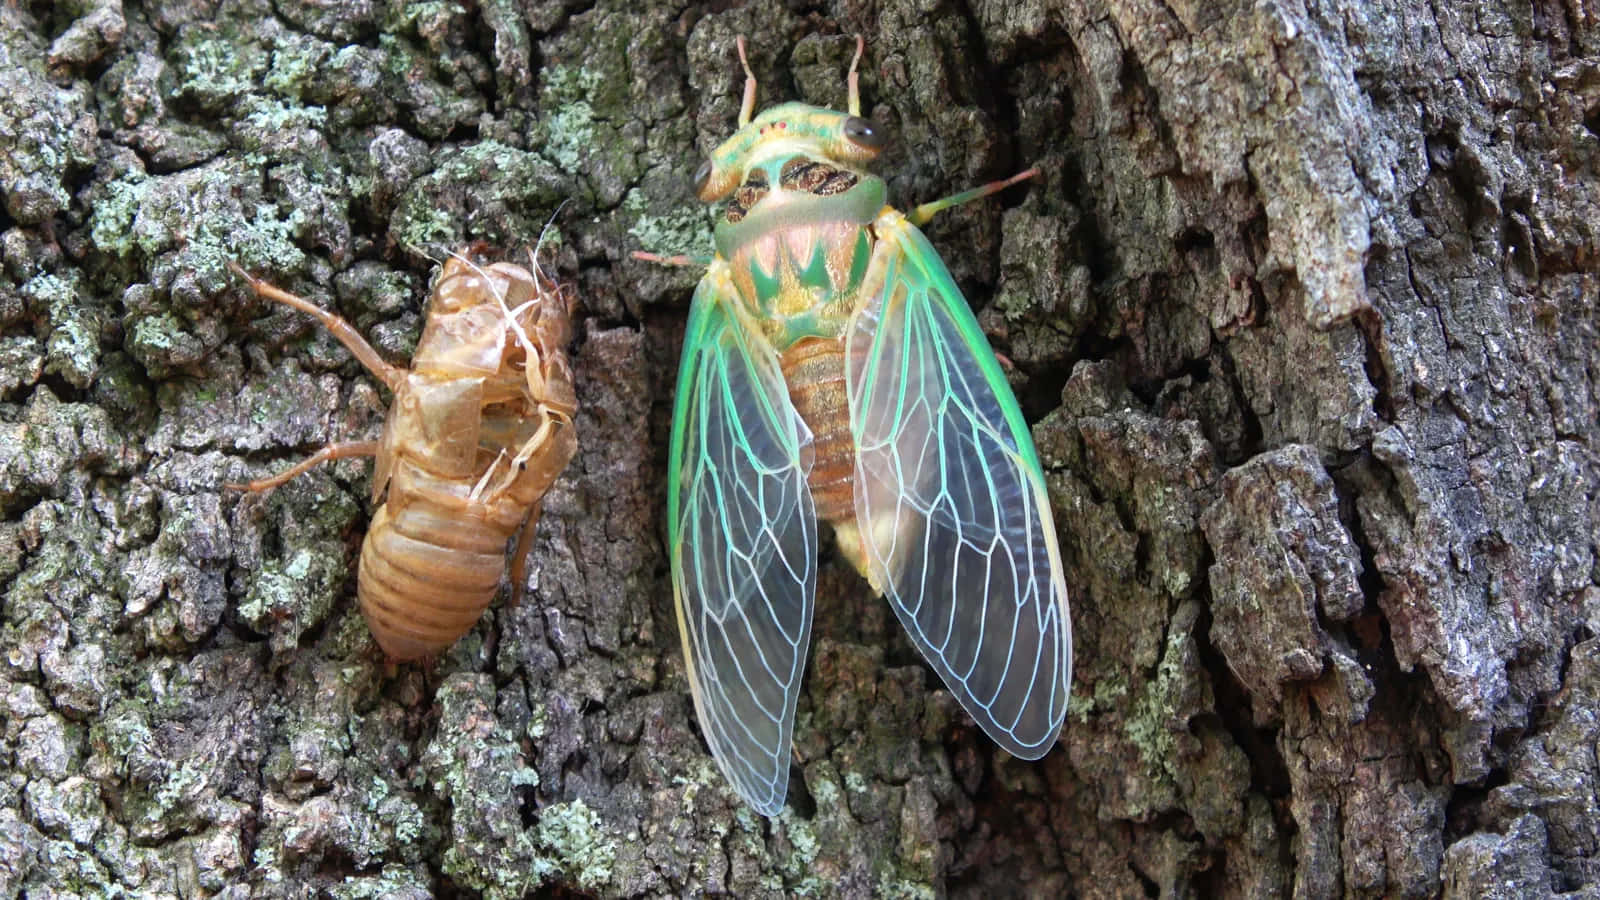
1302, 308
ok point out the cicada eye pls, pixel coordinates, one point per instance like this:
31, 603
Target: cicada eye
863, 134
702, 175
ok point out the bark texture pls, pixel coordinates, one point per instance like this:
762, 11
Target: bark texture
1303, 308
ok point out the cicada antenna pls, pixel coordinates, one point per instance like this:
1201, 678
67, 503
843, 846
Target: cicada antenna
533, 255
748, 108
557, 291
853, 80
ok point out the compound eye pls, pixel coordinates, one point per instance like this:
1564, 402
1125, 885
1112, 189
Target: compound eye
863, 134
701, 176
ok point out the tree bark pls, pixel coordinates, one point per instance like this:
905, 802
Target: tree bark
1302, 308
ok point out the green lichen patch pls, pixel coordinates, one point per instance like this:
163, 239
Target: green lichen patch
486, 190
53, 440
576, 837
73, 346
201, 214
592, 119
286, 598
393, 883
1159, 720
570, 128
115, 208
181, 230
799, 845
273, 128
891, 889
436, 96
684, 229
423, 225
46, 132
161, 344
479, 769
21, 363
213, 68
430, 19
294, 64
363, 818
190, 738
1149, 728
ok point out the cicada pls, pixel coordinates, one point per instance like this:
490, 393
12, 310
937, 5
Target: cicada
480, 426
831, 368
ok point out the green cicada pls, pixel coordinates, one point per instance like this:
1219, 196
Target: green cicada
832, 368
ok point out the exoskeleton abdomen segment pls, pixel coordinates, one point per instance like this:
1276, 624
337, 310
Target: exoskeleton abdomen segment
426, 577
433, 556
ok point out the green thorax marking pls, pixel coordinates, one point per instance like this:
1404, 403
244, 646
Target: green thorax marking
799, 259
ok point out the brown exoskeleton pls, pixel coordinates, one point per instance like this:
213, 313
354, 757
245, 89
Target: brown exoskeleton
480, 426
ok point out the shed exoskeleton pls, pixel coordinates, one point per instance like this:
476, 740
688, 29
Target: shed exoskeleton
479, 428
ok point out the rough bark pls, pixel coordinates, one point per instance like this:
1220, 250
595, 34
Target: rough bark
1303, 307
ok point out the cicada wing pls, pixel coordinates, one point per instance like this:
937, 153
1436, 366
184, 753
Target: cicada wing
951, 500
742, 535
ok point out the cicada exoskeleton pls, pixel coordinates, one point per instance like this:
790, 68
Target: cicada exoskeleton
479, 429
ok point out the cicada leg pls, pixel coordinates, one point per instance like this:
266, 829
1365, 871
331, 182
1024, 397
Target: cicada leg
342, 450
503, 471
344, 331
555, 425
545, 433
475, 495
679, 260
926, 211
748, 107
519, 556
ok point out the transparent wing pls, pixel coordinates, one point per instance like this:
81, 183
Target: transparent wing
742, 534
951, 499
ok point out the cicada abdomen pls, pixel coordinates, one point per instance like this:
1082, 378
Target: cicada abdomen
831, 368
479, 429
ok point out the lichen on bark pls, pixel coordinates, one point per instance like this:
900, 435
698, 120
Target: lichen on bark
1302, 310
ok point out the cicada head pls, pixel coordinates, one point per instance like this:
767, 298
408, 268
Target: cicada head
793, 166
760, 150
763, 145
466, 326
